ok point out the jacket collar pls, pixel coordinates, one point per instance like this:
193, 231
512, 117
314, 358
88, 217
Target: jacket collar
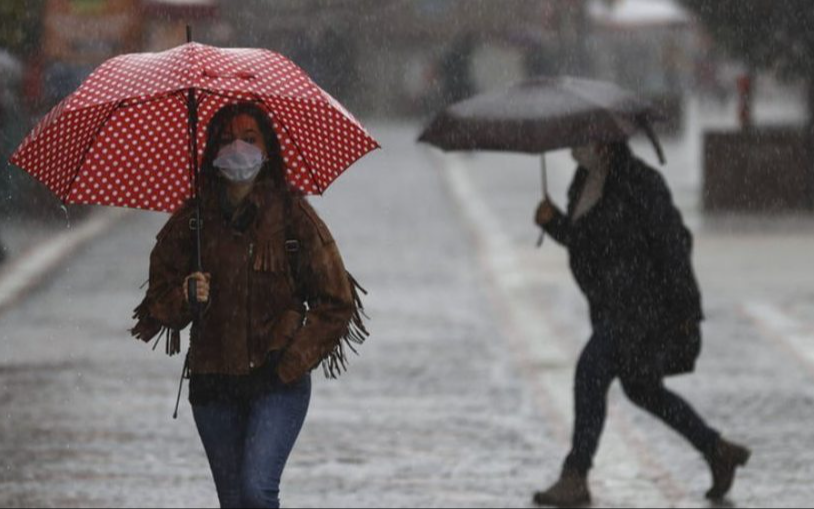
261, 209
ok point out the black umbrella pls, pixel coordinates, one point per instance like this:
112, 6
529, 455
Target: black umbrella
541, 115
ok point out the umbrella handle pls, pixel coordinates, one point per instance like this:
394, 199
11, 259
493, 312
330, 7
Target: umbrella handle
544, 171
192, 294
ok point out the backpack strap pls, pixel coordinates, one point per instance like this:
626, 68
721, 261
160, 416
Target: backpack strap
292, 246
335, 363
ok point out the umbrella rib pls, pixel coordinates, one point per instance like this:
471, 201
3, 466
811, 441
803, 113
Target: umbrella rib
624, 125
118, 106
311, 172
259, 98
87, 150
639, 121
320, 189
126, 102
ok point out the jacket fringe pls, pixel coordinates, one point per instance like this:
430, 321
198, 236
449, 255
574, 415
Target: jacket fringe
266, 261
147, 328
336, 362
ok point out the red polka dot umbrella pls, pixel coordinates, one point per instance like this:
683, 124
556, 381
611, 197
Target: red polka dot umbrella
123, 138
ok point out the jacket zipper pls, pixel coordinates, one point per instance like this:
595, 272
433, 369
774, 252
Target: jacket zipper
249, 306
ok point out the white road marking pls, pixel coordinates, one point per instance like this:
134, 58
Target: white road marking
25, 272
789, 332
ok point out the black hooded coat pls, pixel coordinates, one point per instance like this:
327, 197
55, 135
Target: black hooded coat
631, 256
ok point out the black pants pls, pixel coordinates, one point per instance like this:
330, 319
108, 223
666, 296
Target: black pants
599, 365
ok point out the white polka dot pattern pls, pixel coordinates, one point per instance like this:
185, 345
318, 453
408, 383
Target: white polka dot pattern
121, 139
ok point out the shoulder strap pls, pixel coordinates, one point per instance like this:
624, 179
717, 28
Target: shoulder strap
292, 244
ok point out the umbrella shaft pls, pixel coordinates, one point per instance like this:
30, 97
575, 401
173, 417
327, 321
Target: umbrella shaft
544, 172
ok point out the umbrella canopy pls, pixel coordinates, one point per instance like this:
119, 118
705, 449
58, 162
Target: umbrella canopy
123, 138
541, 115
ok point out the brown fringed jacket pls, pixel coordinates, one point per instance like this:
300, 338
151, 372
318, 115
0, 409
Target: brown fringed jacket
264, 298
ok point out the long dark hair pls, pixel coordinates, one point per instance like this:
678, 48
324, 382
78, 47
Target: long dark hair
274, 168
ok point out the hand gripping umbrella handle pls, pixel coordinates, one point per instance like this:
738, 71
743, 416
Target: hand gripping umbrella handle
192, 295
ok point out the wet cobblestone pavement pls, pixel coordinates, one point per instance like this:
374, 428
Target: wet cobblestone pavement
461, 397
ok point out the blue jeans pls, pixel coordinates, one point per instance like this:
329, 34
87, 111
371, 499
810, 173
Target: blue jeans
248, 442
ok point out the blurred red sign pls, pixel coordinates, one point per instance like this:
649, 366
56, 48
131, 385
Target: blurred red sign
181, 9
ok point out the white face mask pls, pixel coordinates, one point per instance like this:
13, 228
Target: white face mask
239, 162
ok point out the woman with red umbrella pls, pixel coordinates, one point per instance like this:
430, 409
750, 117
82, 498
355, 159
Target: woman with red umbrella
244, 257
275, 302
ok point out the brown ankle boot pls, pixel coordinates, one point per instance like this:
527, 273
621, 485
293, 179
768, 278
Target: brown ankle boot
724, 461
570, 491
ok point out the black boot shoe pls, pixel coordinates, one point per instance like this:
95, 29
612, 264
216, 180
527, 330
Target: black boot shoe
570, 491
723, 462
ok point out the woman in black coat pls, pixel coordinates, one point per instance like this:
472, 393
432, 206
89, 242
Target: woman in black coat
630, 254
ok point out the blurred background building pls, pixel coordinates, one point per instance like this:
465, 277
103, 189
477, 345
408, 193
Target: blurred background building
391, 59
385, 57
396, 57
